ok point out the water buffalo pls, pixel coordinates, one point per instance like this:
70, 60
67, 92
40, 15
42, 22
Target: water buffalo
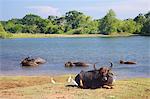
127, 62
32, 61
95, 78
39, 60
75, 64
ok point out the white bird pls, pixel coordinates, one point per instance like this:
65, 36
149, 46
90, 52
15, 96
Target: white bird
52, 81
70, 80
114, 79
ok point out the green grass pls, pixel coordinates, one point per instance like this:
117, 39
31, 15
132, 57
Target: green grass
42, 88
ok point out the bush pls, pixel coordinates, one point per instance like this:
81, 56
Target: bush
5, 35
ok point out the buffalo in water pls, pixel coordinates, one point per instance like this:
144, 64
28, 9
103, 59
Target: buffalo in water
75, 64
127, 62
32, 61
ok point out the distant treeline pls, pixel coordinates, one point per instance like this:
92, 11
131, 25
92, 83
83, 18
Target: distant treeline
74, 22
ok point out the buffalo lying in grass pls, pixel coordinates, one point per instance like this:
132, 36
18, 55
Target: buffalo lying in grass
96, 78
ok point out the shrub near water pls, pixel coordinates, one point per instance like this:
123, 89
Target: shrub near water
3, 34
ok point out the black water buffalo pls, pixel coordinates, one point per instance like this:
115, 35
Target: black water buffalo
75, 64
95, 78
32, 61
127, 62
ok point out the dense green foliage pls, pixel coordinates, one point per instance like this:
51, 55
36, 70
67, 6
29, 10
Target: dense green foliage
1, 28
74, 22
109, 23
3, 34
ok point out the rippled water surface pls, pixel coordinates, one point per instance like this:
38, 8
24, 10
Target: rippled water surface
57, 51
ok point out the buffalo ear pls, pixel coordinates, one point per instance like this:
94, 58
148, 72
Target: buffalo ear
94, 66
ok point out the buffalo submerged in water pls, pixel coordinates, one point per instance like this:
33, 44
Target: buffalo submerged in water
32, 61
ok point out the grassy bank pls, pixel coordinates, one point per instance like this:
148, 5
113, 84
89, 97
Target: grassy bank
28, 35
40, 87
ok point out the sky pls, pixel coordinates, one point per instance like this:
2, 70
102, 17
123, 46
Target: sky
95, 8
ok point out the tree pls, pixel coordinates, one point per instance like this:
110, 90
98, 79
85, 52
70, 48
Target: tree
1, 28
120, 26
17, 28
75, 22
146, 27
73, 19
9, 26
16, 21
91, 27
129, 26
88, 26
109, 23
140, 19
60, 21
147, 15
30, 29
42, 24
3, 34
53, 29
78, 23
142, 24
52, 18
31, 19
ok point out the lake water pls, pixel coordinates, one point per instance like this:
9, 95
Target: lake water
57, 51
